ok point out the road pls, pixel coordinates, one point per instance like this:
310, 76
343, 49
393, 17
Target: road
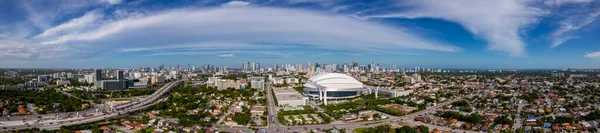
518, 120
227, 112
50, 122
273, 122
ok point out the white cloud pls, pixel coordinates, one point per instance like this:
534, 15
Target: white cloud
592, 55
497, 21
42, 14
242, 28
236, 4
74, 25
113, 2
29, 49
196, 46
226, 55
573, 22
562, 2
322, 3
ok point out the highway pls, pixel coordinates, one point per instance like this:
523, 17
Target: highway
50, 122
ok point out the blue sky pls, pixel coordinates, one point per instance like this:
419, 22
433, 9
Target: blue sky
494, 34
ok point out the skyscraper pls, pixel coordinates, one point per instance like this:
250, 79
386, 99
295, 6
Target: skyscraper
257, 66
309, 67
98, 74
120, 76
298, 67
345, 67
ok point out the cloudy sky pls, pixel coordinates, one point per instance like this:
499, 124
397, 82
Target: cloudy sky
429, 33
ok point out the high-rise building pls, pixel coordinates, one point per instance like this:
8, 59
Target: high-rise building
309, 67
120, 76
98, 74
257, 66
244, 66
120, 83
69, 75
42, 79
345, 68
298, 67
417, 77
555, 74
330, 67
90, 78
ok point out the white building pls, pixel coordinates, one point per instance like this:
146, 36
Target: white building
394, 92
63, 82
256, 84
292, 80
90, 78
332, 86
289, 97
277, 80
137, 75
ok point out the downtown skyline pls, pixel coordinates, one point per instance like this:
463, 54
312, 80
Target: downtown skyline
509, 34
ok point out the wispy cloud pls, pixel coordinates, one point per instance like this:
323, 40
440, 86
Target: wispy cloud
573, 21
226, 55
196, 46
497, 21
113, 2
563, 2
78, 24
236, 4
593, 55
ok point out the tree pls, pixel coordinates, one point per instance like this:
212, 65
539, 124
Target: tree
519, 130
377, 116
593, 115
564, 119
405, 129
145, 119
424, 129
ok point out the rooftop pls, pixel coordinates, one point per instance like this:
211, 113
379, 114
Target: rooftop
284, 94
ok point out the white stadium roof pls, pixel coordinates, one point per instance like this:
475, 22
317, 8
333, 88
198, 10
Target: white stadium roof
333, 82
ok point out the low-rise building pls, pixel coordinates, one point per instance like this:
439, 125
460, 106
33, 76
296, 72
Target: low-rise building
289, 97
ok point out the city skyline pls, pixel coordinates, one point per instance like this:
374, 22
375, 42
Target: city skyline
470, 34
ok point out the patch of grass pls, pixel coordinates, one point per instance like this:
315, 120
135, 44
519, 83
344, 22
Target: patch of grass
361, 130
147, 130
